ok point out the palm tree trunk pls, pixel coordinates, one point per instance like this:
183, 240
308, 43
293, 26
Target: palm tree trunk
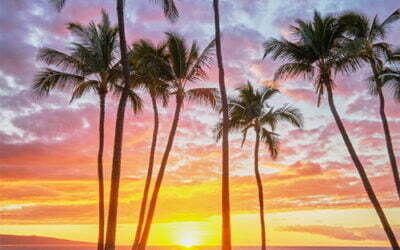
100, 241
389, 144
361, 172
149, 174
385, 124
226, 220
260, 192
157, 185
119, 130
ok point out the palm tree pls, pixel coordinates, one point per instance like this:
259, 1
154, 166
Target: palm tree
319, 50
226, 208
171, 12
91, 66
250, 110
368, 37
187, 65
150, 61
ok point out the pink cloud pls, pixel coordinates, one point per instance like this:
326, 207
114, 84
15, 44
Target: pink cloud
374, 233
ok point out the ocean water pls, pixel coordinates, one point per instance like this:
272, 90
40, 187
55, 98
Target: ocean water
69, 247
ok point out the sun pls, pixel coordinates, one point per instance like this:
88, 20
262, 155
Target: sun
188, 240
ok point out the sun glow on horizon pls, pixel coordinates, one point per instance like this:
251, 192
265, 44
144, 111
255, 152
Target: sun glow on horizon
188, 239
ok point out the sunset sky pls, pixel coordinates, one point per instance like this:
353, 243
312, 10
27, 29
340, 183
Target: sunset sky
313, 195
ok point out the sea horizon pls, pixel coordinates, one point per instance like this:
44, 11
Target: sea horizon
86, 247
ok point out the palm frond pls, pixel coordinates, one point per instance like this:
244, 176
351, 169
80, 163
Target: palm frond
271, 139
382, 49
169, 8
294, 69
135, 101
287, 51
376, 30
373, 85
78, 30
290, 114
199, 63
84, 87
391, 77
356, 24
269, 118
217, 131
267, 93
60, 59
346, 61
49, 79
233, 126
395, 16
204, 95
177, 54
244, 133
58, 4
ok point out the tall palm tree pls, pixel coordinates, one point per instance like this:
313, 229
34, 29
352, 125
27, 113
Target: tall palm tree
151, 64
250, 110
318, 51
187, 65
171, 12
91, 65
226, 243
368, 35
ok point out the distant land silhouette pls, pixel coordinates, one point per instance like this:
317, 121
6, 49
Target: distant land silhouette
8, 240
18, 242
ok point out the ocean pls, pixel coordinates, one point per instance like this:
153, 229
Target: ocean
69, 247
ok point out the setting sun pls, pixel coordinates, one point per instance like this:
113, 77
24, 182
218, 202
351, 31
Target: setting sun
188, 239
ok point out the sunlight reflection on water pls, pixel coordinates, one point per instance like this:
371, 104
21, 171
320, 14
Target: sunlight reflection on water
62, 247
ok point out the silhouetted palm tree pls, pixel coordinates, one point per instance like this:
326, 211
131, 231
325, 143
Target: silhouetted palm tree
368, 36
91, 65
171, 12
250, 110
226, 243
151, 63
187, 66
320, 49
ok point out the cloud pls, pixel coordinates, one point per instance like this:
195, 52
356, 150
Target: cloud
341, 233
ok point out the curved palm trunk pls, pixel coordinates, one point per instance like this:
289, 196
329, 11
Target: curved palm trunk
100, 239
260, 192
385, 124
119, 130
389, 144
361, 172
157, 185
149, 174
226, 220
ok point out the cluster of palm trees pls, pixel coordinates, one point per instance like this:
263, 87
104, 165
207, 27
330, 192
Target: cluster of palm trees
100, 61
331, 44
